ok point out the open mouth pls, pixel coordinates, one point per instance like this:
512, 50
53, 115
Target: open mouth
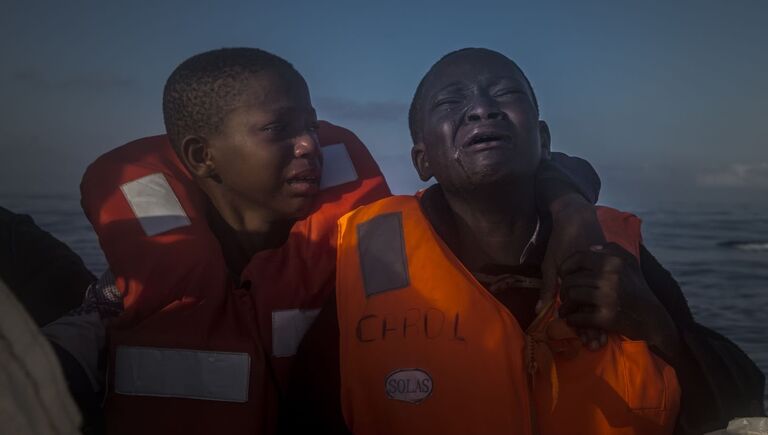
304, 180
488, 139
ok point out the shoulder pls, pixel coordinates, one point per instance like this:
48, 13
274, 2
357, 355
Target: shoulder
391, 204
621, 227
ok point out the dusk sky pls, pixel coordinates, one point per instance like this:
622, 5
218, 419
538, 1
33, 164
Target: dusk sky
666, 99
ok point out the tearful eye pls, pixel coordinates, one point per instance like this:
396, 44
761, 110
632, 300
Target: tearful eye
507, 93
446, 102
274, 128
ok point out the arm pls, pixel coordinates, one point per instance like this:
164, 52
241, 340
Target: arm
640, 300
46, 276
78, 339
313, 403
719, 382
563, 175
566, 190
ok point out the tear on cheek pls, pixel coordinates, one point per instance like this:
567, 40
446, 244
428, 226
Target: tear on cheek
458, 158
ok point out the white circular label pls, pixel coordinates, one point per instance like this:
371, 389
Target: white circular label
408, 385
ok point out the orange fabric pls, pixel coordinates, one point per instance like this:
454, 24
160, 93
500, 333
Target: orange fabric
178, 294
487, 376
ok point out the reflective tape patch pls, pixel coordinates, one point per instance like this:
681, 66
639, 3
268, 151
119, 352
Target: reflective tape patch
288, 329
154, 204
381, 248
189, 374
337, 166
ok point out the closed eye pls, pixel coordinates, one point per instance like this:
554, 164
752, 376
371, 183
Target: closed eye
274, 128
443, 102
507, 93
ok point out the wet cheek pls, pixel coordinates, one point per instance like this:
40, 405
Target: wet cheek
447, 139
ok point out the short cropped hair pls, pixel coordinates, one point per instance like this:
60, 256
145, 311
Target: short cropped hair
203, 89
414, 118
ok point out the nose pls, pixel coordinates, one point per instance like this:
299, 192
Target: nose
307, 145
484, 108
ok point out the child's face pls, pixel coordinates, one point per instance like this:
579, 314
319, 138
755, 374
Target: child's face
480, 122
267, 153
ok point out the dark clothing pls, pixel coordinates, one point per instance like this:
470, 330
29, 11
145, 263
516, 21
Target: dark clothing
80, 387
50, 280
718, 381
44, 274
573, 172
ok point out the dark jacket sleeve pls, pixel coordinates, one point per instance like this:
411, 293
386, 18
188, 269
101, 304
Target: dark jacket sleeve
563, 173
313, 402
44, 274
88, 401
718, 380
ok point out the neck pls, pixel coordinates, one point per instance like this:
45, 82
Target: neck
243, 231
494, 224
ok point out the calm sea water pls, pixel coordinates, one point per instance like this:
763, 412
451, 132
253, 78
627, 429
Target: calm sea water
718, 254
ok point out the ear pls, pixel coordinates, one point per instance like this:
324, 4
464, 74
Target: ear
545, 139
196, 155
421, 161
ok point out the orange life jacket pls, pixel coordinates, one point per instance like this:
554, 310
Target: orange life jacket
193, 352
425, 349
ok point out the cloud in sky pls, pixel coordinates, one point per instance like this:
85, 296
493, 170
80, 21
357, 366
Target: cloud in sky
741, 175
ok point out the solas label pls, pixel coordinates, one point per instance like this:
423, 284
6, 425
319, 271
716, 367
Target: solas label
408, 385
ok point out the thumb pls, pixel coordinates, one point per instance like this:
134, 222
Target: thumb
548, 287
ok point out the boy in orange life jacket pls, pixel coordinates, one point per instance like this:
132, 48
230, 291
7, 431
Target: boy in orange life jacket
434, 294
242, 125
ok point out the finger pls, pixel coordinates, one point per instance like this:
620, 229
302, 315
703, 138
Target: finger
614, 250
571, 306
593, 338
568, 308
581, 279
581, 261
572, 263
595, 264
583, 338
580, 295
584, 335
583, 319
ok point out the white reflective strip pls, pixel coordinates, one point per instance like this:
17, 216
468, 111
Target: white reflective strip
154, 204
337, 166
288, 329
190, 374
